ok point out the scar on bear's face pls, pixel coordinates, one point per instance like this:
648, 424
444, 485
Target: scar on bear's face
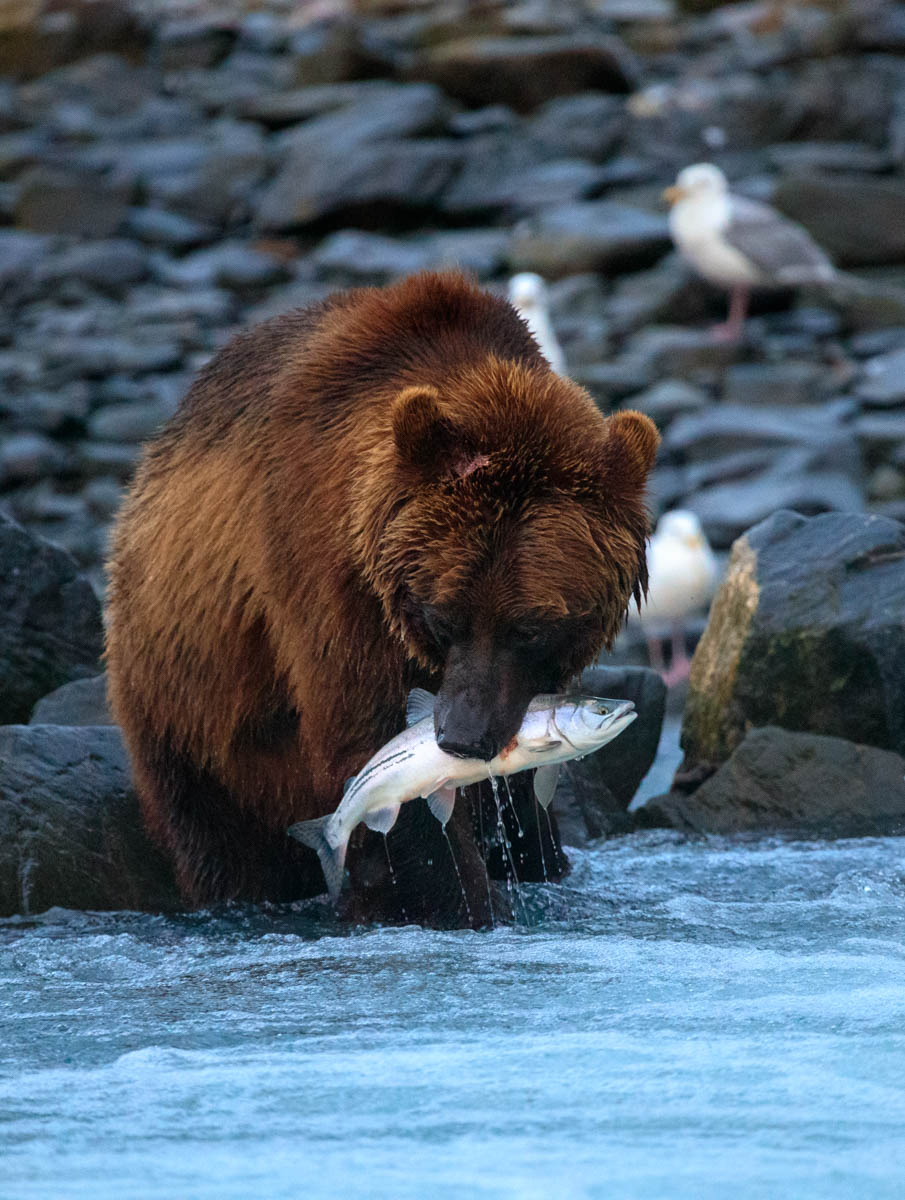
466, 465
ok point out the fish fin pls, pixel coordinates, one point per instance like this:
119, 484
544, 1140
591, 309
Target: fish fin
419, 705
545, 780
349, 783
441, 803
382, 820
314, 834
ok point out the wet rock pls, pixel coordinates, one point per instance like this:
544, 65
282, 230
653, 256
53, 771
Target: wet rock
87, 357
594, 793
192, 42
230, 264
488, 179
374, 176
70, 829
882, 383
82, 702
20, 254
793, 383
596, 236
805, 632
668, 399
727, 510
801, 783
27, 456
822, 430
68, 200
158, 227
523, 73
586, 126
132, 422
857, 221
110, 265
50, 621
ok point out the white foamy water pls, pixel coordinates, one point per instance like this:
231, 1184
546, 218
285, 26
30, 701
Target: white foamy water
682, 1019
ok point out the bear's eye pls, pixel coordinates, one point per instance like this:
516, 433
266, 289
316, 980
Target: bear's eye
528, 635
442, 629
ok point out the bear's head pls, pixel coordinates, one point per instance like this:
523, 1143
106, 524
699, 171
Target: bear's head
503, 527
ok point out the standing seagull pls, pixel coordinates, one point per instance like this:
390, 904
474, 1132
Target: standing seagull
738, 243
529, 297
682, 577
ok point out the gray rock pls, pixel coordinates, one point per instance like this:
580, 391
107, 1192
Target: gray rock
20, 254
372, 112
82, 702
879, 434
50, 621
882, 382
333, 180
62, 411
727, 428
129, 422
595, 236
70, 829
792, 383
229, 264
805, 632
801, 783
277, 110
665, 292
727, 510
103, 496
683, 353
667, 400
107, 458
886, 484
587, 126
28, 456
489, 164
796, 157
158, 227
561, 181
857, 221
523, 73
110, 265
192, 42
87, 357
69, 200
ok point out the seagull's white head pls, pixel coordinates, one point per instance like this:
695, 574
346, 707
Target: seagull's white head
683, 526
701, 180
527, 291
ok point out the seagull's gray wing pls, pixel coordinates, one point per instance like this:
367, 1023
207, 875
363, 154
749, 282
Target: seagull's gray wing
783, 251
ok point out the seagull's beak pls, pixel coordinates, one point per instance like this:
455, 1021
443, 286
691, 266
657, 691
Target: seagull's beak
672, 194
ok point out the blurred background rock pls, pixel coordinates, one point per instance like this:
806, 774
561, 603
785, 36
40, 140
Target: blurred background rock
172, 171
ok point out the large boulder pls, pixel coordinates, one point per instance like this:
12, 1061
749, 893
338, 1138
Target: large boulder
50, 621
801, 783
806, 632
70, 830
82, 702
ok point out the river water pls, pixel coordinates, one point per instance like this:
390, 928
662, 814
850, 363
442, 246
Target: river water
684, 1018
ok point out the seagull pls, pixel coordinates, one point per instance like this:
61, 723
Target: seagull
528, 295
738, 243
682, 575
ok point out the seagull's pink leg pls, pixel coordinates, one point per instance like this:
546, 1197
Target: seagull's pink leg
681, 663
732, 329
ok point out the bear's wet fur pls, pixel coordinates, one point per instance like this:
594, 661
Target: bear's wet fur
385, 490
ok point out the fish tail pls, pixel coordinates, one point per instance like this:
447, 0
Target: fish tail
314, 834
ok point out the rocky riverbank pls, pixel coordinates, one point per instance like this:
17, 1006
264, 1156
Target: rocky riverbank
169, 173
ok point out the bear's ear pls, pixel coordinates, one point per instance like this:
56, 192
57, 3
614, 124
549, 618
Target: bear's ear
424, 438
631, 446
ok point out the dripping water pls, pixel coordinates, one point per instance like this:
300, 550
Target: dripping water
480, 803
452, 855
386, 846
511, 874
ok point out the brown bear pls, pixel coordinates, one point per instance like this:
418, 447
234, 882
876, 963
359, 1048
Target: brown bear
388, 489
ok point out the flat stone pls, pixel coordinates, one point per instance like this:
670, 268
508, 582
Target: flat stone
64, 200
882, 383
158, 227
27, 456
110, 264
667, 400
81, 702
277, 110
20, 254
50, 621
99, 356
599, 235
232, 265
857, 221
129, 422
107, 458
829, 156
727, 510
587, 126
71, 834
777, 781
524, 73
792, 383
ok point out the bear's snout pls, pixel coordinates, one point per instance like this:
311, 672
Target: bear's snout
480, 705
